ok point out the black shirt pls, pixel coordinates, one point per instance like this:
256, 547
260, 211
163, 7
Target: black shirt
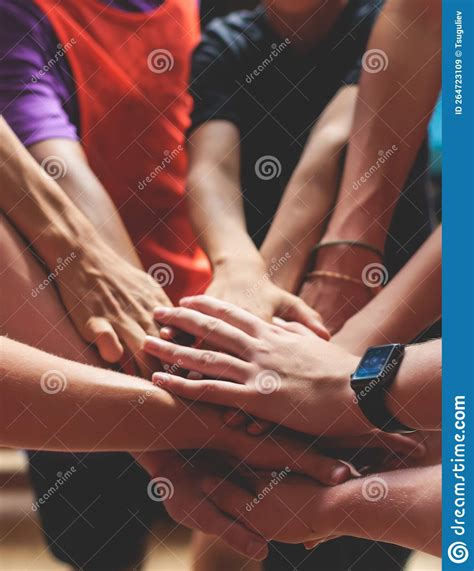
244, 73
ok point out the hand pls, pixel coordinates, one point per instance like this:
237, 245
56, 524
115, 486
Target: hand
110, 302
283, 374
248, 285
280, 506
187, 504
337, 299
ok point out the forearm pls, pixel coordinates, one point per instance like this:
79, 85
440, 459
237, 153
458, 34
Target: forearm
377, 507
415, 396
410, 303
51, 403
87, 196
215, 196
41, 210
302, 215
387, 122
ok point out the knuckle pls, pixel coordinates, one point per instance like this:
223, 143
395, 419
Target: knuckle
207, 357
211, 324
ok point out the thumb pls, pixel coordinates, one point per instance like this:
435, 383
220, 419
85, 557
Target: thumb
293, 308
99, 331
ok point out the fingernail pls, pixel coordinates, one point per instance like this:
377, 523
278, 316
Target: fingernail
184, 300
340, 475
254, 546
150, 340
419, 451
209, 485
160, 310
160, 378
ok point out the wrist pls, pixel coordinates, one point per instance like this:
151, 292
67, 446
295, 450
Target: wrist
352, 418
227, 263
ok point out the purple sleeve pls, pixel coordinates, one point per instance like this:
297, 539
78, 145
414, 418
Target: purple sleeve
36, 100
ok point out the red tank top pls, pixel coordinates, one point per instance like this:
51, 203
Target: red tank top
131, 73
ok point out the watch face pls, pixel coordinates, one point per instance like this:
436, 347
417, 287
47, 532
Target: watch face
373, 362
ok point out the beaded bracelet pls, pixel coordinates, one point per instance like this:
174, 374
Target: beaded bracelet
353, 243
335, 275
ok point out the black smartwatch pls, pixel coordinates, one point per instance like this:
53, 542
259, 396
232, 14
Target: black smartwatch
373, 377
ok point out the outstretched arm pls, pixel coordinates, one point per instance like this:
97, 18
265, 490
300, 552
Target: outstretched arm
410, 303
109, 299
302, 215
217, 213
375, 507
286, 374
392, 112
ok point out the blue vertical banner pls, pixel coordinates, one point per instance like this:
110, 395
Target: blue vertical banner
458, 284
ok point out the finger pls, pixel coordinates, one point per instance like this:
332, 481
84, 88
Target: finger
214, 392
229, 498
397, 443
99, 331
213, 521
133, 337
259, 427
293, 308
315, 542
168, 333
270, 452
216, 332
235, 418
195, 376
228, 312
293, 326
210, 363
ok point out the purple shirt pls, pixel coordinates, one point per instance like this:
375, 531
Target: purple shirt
40, 106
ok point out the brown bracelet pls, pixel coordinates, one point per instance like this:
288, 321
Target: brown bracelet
353, 243
345, 277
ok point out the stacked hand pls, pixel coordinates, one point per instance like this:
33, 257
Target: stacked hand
278, 372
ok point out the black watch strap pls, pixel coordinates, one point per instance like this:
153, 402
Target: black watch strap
378, 414
371, 394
